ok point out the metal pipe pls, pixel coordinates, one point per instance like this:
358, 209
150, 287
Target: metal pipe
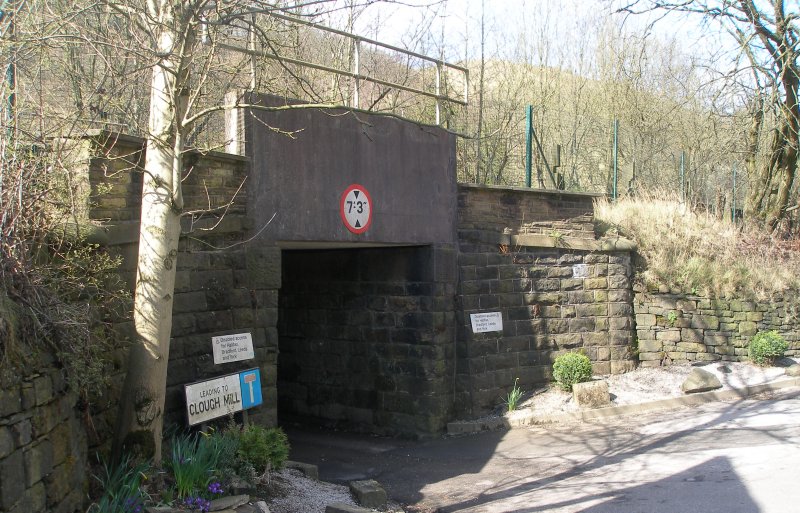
251, 45
683, 176
528, 144
616, 159
339, 72
364, 39
356, 71
438, 93
733, 199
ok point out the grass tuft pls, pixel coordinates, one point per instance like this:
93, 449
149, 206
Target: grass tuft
696, 253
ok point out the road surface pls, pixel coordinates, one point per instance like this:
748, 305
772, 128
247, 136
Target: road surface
731, 457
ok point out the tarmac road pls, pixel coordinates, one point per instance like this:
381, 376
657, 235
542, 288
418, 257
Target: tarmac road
730, 457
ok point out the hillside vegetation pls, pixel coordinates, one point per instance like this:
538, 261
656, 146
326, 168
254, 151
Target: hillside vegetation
697, 253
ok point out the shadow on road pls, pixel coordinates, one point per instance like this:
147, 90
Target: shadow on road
666, 460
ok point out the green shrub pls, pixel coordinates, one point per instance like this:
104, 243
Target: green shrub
571, 368
225, 443
264, 449
766, 347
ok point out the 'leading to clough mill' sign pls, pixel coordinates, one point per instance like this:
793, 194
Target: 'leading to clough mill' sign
206, 400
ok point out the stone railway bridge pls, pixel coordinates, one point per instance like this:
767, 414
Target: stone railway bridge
364, 317
378, 292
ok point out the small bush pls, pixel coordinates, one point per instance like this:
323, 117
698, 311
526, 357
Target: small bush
264, 449
766, 347
572, 368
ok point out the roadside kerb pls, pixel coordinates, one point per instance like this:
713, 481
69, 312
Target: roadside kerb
528, 418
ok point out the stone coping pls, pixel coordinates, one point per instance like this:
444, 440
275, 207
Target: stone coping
535, 190
520, 419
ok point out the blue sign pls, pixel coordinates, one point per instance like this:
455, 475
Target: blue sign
250, 382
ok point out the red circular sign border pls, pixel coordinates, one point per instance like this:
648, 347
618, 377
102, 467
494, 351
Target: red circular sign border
357, 231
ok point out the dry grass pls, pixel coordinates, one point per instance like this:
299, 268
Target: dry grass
697, 253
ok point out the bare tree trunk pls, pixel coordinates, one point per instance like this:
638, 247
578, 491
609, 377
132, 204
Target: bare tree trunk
785, 163
760, 177
791, 141
481, 83
139, 426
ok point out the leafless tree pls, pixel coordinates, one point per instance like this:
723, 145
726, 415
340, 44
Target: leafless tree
767, 34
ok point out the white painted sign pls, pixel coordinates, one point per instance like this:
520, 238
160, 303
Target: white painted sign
485, 322
233, 348
580, 271
214, 398
222, 396
355, 209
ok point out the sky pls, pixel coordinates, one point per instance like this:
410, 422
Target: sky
427, 25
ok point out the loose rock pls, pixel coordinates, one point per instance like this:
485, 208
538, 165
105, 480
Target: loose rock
700, 380
310, 471
793, 370
591, 394
369, 493
231, 502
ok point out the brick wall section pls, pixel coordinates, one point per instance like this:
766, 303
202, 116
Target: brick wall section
684, 328
43, 444
366, 338
546, 311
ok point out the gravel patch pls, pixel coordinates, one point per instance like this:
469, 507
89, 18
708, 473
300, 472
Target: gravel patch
646, 384
293, 492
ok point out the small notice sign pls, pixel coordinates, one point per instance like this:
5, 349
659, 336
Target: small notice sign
580, 271
222, 396
485, 322
233, 348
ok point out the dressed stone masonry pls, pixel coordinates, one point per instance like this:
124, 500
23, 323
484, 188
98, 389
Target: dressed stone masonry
532, 256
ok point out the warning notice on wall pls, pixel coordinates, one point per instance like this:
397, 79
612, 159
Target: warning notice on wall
233, 348
580, 271
485, 322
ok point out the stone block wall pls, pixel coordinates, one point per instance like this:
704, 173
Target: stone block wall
552, 299
366, 337
221, 287
43, 444
674, 328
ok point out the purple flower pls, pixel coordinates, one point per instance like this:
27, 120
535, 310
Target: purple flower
215, 488
133, 504
197, 503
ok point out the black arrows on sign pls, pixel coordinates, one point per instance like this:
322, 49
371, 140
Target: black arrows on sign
358, 224
356, 193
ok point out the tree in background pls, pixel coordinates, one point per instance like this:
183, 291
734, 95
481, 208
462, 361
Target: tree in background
766, 72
